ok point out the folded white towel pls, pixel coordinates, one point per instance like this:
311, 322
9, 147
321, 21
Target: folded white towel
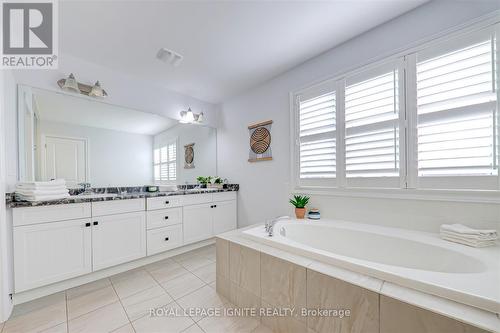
42, 185
21, 197
51, 191
473, 243
464, 230
485, 237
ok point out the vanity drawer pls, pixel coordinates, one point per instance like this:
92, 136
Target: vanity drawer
111, 207
224, 196
52, 213
163, 202
163, 217
164, 239
195, 199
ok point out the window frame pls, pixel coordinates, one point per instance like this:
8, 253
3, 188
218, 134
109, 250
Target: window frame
410, 186
165, 144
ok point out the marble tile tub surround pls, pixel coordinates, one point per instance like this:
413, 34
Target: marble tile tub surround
120, 193
121, 303
327, 286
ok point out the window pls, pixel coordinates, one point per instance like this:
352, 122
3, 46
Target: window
165, 162
456, 109
317, 134
372, 125
426, 119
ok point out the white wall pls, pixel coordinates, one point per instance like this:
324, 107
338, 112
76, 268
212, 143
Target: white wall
6, 280
115, 158
205, 150
265, 186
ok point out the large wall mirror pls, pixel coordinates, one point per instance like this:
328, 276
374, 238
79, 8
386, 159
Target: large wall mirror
84, 140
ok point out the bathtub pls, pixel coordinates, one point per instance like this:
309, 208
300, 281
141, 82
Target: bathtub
413, 259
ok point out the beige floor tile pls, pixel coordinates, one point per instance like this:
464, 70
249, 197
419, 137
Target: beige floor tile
206, 273
203, 298
38, 304
228, 324
61, 328
87, 288
182, 285
158, 264
262, 329
207, 251
164, 322
105, 319
168, 272
213, 284
140, 304
37, 315
193, 329
91, 301
125, 329
195, 262
129, 283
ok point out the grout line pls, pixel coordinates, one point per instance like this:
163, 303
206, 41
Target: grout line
119, 300
67, 317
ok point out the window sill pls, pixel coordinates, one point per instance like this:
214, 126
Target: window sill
472, 196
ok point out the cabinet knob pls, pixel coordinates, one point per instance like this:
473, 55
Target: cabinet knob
167, 202
166, 239
96, 223
215, 206
166, 217
87, 224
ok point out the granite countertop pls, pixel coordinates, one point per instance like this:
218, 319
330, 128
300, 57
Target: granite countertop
115, 193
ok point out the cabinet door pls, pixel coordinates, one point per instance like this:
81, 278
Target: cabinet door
224, 216
50, 252
197, 222
118, 238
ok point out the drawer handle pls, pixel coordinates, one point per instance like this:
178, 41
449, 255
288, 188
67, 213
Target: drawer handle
87, 224
96, 223
166, 239
212, 206
167, 202
215, 206
166, 217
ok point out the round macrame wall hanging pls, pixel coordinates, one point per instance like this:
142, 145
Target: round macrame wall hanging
260, 142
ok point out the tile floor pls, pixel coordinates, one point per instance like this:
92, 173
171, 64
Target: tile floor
121, 303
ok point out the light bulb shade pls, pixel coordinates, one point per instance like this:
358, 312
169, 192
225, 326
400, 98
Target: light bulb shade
189, 116
200, 118
96, 90
70, 84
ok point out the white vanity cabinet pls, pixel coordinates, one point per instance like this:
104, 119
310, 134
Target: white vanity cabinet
224, 216
54, 243
118, 238
217, 215
197, 222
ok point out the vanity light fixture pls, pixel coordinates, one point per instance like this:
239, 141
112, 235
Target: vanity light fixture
97, 90
189, 117
70, 84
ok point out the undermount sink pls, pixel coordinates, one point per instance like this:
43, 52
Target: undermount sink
96, 195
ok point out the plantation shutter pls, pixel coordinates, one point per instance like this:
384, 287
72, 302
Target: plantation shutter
456, 109
372, 124
165, 162
317, 133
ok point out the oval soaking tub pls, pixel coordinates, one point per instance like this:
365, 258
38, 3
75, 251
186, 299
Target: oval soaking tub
413, 259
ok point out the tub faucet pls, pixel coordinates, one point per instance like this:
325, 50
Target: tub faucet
270, 224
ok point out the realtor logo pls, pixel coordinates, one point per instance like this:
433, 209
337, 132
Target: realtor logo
29, 34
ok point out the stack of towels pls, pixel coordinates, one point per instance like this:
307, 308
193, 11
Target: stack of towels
462, 234
42, 191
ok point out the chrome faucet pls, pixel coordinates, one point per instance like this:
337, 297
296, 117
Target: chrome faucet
270, 224
86, 187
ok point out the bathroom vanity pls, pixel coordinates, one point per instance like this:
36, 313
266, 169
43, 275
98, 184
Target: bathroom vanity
56, 242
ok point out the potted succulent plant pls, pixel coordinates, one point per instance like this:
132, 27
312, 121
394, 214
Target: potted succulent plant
203, 181
217, 182
300, 202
